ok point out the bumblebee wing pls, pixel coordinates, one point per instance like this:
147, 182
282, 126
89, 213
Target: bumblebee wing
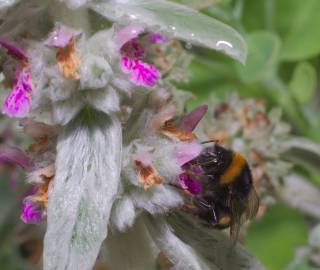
235, 231
241, 211
237, 208
253, 204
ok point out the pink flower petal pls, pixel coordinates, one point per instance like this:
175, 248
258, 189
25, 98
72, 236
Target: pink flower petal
191, 120
59, 37
18, 103
14, 156
128, 33
30, 213
12, 48
187, 152
157, 38
189, 183
141, 73
126, 64
144, 74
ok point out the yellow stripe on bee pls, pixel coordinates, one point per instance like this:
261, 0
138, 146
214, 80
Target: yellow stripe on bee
234, 169
226, 220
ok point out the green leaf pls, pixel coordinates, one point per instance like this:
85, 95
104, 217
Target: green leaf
254, 15
274, 238
263, 55
303, 82
298, 22
214, 246
179, 21
196, 4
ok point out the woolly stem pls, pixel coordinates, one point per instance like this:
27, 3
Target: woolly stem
180, 254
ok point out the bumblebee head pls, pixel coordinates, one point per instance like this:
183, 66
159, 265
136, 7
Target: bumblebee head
214, 160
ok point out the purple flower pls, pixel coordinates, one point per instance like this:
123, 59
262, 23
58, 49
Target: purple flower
14, 156
192, 119
190, 183
157, 38
132, 53
133, 49
189, 178
12, 48
59, 37
144, 74
18, 103
128, 33
126, 64
187, 152
141, 73
31, 213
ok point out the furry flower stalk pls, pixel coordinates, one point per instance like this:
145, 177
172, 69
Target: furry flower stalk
94, 87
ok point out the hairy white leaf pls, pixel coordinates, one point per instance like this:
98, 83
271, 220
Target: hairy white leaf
105, 100
304, 152
214, 247
299, 193
196, 4
85, 185
183, 256
178, 21
74, 4
7, 3
123, 214
32, 14
130, 250
95, 72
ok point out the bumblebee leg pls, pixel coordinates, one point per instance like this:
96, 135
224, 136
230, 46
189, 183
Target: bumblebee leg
210, 141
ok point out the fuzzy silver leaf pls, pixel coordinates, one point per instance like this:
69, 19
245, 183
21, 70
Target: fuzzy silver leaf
178, 21
85, 186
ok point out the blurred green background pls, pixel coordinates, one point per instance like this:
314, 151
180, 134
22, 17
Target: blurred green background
283, 64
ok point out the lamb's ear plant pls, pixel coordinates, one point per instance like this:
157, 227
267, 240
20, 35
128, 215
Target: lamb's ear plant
92, 82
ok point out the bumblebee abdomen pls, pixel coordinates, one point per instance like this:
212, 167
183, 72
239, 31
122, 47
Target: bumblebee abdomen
234, 170
243, 184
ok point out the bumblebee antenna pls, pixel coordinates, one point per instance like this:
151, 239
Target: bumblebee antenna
210, 141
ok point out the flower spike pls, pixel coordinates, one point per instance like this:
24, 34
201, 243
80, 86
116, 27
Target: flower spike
31, 213
18, 103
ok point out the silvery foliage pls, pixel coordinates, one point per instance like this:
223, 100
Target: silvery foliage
295, 189
170, 18
308, 257
5, 4
89, 186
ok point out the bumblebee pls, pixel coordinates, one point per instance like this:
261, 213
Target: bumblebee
227, 197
